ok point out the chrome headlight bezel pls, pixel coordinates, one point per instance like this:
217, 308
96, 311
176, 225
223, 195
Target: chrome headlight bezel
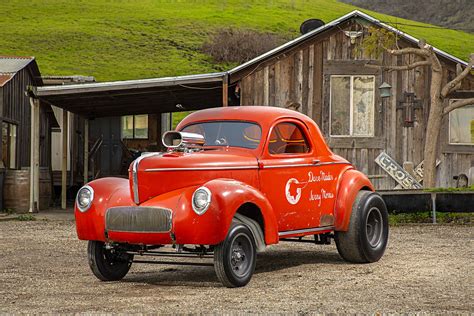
91, 198
201, 210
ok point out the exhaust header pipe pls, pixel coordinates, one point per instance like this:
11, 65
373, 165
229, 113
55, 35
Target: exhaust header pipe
173, 139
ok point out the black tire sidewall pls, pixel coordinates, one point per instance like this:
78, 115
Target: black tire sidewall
235, 231
372, 254
101, 268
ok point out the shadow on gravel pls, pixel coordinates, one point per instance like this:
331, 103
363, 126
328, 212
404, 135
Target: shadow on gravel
192, 276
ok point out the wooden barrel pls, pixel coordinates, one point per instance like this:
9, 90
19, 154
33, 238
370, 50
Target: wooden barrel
16, 190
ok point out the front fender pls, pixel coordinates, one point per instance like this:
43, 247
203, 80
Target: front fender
351, 182
231, 194
108, 192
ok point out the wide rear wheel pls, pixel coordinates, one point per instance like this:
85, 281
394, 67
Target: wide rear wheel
108, 264
235, 257
367, 236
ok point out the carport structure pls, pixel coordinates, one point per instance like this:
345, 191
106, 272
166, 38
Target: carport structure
118, 98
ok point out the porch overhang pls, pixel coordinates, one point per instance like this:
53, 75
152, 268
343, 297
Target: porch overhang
144, 96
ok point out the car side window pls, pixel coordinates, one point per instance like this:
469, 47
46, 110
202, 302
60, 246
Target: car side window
287, 138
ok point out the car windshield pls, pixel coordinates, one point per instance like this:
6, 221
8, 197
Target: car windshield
228, 133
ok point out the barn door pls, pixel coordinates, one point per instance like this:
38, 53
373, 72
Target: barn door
109, 156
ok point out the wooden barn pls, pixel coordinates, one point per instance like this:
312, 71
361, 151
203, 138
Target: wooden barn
16, 73
324, 75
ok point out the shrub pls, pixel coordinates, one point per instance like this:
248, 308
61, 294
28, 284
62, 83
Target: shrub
240, 45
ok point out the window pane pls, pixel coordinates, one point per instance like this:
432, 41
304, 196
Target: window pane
340, 105
141, 126
287, 138
461, 125
230, 133
5, 143
363, 106
127, 126
12, 146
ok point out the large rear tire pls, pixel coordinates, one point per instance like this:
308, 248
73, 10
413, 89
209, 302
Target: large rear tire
235, 257
108, 265
366, 239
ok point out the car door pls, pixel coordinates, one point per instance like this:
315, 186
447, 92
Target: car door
284, 170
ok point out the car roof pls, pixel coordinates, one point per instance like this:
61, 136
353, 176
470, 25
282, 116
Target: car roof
264, 115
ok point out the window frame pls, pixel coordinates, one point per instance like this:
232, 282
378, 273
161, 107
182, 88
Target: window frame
134, 128
449, 125
9, 144
304, 131
351, 106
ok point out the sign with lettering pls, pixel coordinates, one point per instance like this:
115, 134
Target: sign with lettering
397, 172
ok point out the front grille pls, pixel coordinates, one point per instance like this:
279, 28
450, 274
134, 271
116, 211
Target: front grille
138, 219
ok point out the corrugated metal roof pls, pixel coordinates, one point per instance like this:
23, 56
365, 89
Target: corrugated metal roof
4, 79
13, 64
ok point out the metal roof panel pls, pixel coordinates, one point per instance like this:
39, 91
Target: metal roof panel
13, 64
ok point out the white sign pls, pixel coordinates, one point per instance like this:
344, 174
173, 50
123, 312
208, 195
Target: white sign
397, 172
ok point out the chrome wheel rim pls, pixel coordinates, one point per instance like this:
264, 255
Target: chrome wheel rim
241, 255
374, 227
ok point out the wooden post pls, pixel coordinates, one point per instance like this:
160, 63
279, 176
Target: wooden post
86, 151
37, 152
225, 90
33, 207
64, 133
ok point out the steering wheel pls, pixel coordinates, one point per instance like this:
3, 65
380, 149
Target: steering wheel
221, 141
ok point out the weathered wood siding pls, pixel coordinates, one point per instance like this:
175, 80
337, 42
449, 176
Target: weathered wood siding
16, 110
302, 74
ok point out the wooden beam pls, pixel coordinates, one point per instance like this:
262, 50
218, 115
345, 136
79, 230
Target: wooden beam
33, 205
86, 151
64, 133
225, 90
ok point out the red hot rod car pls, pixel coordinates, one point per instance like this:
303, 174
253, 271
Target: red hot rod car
233, 181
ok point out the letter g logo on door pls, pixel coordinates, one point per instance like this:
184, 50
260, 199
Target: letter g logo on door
293, 190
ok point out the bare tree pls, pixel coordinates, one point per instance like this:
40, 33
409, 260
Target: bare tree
439, 93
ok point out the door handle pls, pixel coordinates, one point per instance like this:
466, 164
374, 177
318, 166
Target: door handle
316, 161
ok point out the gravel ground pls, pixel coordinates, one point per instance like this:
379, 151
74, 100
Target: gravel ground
43, 268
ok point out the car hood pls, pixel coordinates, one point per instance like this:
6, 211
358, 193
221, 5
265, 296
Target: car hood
157, 173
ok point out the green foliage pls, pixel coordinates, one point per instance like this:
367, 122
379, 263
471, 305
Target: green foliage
8, 211
471, 188
426, 217
26, 217
377, 41
130, 39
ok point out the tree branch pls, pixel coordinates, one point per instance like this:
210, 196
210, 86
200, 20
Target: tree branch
410, 50
405, 67
454, 84
457, 104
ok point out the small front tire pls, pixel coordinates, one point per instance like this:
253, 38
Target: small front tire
366, 239
235, 257
108, 265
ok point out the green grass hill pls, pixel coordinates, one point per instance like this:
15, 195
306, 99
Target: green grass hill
130, 39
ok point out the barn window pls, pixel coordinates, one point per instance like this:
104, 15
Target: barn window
352, 105
9, 140
135, 126
461, 125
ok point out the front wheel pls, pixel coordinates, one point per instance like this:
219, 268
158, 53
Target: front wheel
367, 236
235, 257
108, 264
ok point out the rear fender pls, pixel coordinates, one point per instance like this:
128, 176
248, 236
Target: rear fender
351, 182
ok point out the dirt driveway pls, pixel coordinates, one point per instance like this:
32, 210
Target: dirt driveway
43, 268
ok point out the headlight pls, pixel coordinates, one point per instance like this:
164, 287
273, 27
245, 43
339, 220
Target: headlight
84, 198
201, 200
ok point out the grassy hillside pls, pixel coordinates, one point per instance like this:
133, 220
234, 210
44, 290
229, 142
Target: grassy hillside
128, 39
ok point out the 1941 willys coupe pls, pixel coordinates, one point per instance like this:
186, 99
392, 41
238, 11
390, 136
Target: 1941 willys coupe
232, 181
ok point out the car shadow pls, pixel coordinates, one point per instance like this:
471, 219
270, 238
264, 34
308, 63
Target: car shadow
202, 277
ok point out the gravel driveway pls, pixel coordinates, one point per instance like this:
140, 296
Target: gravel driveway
43, 268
